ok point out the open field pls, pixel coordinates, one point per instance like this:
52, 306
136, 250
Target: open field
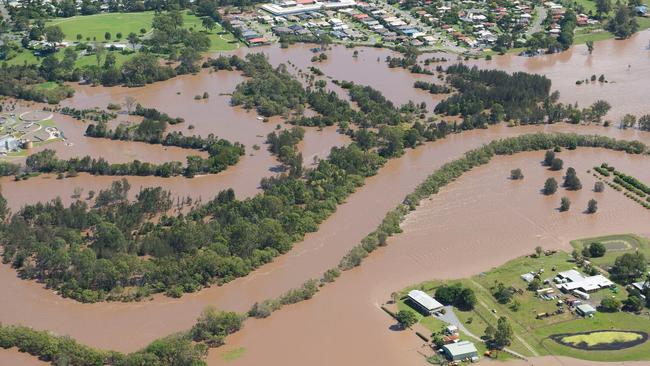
93, 27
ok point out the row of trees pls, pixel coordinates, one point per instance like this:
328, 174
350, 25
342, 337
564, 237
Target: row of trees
181, 349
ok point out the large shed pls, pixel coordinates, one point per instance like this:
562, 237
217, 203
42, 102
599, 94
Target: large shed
460, 351
424, 302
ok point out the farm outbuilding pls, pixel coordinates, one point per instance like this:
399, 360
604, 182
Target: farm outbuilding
585, 310
424, 302
463, 350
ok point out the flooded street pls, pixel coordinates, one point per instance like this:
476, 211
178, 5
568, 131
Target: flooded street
440, 240
475, 223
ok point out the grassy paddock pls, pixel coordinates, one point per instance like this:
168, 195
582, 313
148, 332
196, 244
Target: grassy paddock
616, 245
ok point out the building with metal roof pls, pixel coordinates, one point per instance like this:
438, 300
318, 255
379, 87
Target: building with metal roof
424, 302
459, 351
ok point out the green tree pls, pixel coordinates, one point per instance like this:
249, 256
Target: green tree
4, 209
213, 326
623, 24
628, 267
100, 51
550, 186
599, 187
633, 303
133, 39
54, 35
571, 180
599, 109
603, 7
565, 204
108, 241
557, 164
406, 318
596, 249
549, 156
504, 333
516, 174
208, 23
610, 305
592, 206
107, 36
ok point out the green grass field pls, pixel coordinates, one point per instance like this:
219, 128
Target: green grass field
93, 27
532, 333
598, 338
616, 245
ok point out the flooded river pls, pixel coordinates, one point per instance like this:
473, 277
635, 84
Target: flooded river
441, 239
34, 306
343, 323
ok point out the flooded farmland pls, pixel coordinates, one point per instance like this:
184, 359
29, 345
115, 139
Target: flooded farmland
441, 240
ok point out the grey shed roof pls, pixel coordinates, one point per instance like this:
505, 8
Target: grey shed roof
460, 348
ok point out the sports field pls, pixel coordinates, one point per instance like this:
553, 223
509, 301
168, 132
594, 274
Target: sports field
93, 28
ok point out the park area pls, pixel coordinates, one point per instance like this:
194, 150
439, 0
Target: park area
94, 27
544, 319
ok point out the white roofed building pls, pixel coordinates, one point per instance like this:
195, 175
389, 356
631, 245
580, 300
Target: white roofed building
425, 302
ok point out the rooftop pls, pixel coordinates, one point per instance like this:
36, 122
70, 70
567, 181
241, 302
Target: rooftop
460, 348
423, 299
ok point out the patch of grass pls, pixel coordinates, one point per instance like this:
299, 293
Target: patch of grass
94, 26
616, 245
233, 354
48, 85
601, 321
596, 338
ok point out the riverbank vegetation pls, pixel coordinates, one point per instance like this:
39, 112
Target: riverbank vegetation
115, 198
188, 348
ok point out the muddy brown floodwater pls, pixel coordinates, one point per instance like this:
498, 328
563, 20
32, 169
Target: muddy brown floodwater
11, 357
342, 324
479, 221
128, 326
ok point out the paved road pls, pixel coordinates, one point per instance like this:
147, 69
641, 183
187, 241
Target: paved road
450, 317
540, 15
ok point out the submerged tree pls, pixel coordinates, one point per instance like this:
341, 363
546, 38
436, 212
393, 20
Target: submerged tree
565, 204
550, 186
571, 180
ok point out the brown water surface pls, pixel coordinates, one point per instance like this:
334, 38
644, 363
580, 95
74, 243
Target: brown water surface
479, 221
128, 326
